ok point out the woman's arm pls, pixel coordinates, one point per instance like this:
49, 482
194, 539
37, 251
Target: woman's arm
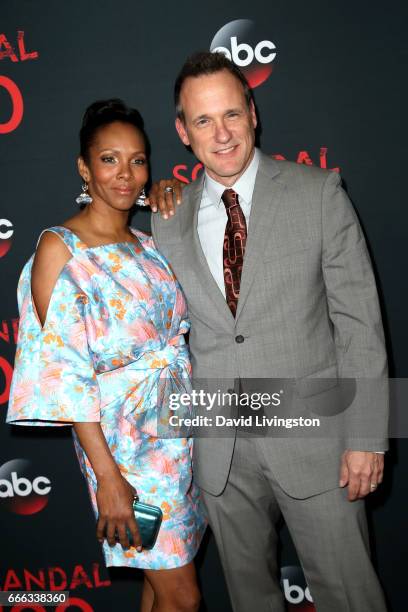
114, 494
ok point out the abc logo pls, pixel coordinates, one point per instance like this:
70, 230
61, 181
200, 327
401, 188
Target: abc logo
6, 232
241, 43
22, 491
296, 592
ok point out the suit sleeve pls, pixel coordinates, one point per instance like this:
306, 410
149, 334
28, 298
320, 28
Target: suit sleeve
153, 225
355, 314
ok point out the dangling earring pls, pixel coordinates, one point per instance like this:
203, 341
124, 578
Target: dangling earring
84, 197
141, 199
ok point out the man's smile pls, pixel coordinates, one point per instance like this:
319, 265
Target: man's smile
227, 150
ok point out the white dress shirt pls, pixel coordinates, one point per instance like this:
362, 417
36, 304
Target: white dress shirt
212, 216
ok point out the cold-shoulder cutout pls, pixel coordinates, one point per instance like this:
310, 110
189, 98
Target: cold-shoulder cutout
51, 256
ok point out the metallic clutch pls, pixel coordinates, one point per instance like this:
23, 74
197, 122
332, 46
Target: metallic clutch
148, 520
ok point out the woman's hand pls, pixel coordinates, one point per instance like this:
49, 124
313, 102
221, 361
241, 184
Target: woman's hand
115, 497
160, 199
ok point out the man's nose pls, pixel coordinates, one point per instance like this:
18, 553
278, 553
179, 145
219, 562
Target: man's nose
222, 133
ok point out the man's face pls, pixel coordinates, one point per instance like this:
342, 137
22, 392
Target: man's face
218, 125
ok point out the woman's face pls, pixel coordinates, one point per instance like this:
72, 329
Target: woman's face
117, 169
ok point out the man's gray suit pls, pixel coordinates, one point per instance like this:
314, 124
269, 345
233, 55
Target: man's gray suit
308, 309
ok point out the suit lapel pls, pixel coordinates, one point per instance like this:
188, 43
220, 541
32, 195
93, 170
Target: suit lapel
198, 259
265, 202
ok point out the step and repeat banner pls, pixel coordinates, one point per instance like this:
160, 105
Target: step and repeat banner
329, 85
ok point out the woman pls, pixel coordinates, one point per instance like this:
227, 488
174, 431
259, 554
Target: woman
100, 347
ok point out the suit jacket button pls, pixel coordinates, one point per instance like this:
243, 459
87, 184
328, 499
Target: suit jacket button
239, 339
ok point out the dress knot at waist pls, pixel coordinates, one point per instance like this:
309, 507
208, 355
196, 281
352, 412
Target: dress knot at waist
166, 356
153, 384
141, 358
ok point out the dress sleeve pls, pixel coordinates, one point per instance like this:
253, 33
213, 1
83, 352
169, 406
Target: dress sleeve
54, 381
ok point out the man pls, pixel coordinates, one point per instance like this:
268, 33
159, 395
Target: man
279, 285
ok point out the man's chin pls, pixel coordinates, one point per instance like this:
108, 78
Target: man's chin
227, 170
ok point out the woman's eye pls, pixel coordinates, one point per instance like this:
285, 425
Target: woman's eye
108, 159
139, 162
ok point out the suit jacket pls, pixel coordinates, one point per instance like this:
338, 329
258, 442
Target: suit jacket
308, 311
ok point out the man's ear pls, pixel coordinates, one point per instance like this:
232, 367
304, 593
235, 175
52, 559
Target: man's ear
182, 132
252, 112
83, 169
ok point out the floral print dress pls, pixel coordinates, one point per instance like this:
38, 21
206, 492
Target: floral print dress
112, 350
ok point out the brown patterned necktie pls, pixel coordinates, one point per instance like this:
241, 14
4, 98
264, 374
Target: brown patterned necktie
234, 248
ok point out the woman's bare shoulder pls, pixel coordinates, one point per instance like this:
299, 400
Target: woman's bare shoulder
50, 257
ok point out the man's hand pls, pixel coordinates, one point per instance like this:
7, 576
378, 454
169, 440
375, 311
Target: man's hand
362, 471
163, 195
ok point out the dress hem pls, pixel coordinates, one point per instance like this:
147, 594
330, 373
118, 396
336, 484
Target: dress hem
149, 566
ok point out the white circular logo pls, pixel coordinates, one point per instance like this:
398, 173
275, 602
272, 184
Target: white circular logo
22, 490
242, 43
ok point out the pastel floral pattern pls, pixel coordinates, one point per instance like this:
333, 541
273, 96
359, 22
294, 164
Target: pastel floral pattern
111, 350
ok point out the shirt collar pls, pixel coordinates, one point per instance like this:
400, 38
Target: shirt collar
244, 186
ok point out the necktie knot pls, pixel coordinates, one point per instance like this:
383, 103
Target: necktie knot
230, 198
